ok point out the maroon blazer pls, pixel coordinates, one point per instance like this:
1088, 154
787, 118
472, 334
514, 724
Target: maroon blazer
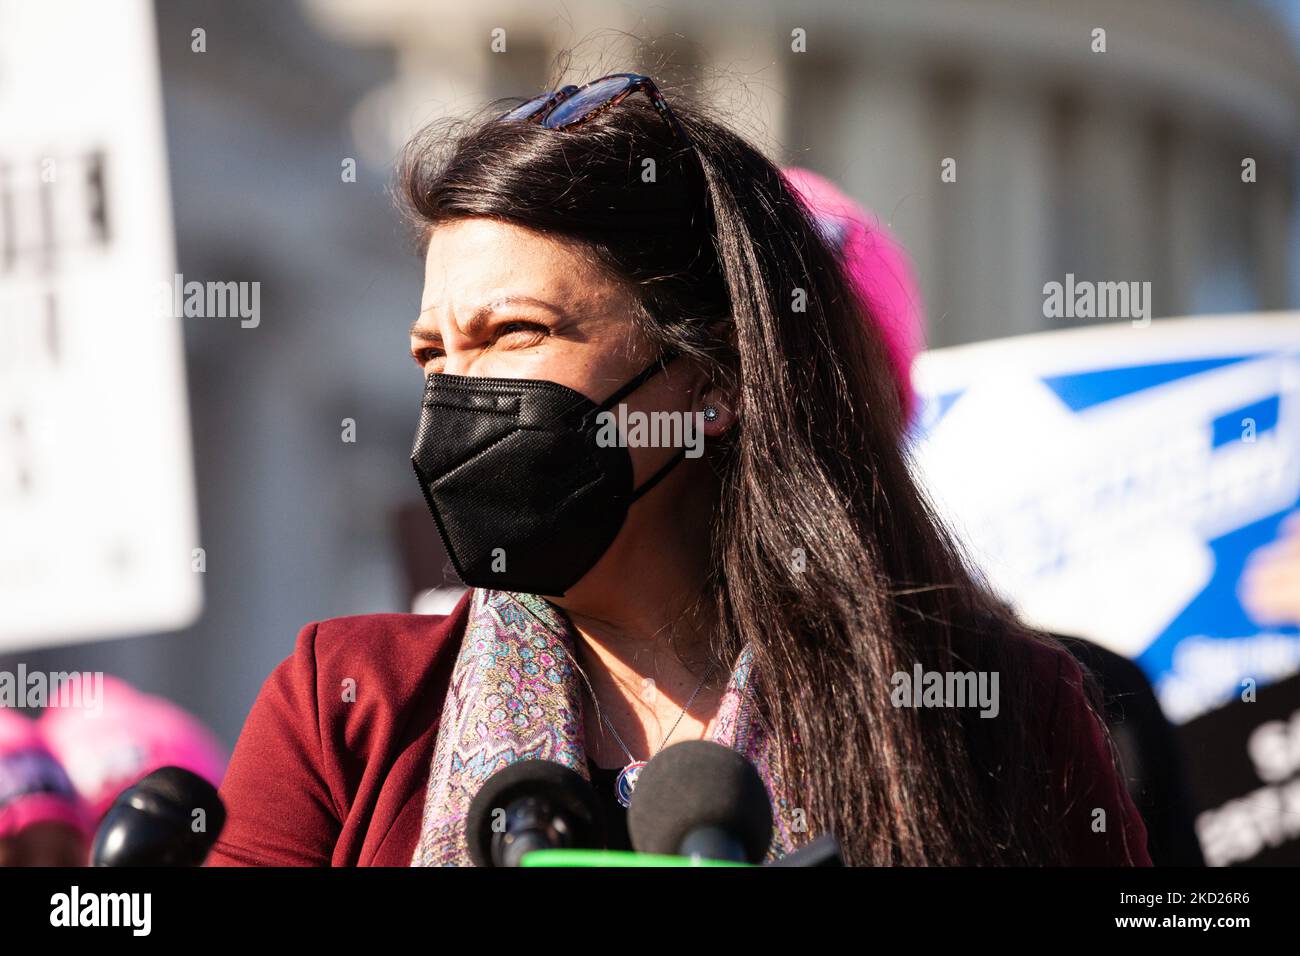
333, 760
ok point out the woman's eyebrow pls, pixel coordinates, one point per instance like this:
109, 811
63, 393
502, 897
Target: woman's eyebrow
417, 331
480, 315
423, 333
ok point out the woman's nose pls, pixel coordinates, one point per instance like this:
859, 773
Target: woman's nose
452, 365
467, 362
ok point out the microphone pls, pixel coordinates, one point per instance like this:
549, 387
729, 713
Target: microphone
701, 799
532, 805
153, 822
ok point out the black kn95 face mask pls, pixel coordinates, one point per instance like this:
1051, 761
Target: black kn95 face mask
524, 496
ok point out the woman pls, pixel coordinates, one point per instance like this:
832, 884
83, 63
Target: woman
776, 590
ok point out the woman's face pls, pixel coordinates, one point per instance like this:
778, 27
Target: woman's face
503, 301
506, 302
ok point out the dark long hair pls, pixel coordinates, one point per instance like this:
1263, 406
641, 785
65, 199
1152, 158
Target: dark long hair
826, 556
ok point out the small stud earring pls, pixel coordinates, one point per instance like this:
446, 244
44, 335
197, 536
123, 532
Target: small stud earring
710, 413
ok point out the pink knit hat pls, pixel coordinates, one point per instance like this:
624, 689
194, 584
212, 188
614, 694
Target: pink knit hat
135, 735
878, 267
34, 787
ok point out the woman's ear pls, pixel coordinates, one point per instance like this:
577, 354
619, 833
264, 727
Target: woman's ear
715, 399
716, 409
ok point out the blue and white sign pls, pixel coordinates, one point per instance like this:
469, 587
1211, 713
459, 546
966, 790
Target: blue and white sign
1114, 482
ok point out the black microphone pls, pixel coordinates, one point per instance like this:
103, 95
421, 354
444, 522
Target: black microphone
154, 822
532, 805
702, 799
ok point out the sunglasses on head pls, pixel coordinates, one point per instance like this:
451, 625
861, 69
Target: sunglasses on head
572, 105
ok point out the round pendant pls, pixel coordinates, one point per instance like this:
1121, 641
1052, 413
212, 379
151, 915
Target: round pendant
626, 781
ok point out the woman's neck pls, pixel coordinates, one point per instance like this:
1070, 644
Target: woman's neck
646, 627
643, 673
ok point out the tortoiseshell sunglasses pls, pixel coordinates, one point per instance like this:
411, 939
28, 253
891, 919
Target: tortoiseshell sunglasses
572, 105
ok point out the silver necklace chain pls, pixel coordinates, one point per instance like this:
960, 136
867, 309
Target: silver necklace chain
605, 717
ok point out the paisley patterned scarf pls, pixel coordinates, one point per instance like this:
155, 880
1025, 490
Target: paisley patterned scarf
515, 694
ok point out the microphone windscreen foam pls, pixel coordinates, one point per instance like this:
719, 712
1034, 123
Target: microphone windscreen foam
698, 784
568, 795
154, 823
187, 790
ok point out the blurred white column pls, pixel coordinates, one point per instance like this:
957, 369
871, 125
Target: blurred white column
1192, 183
1109, 179
746, 73
883, 153
1273, 241
998, 210
446, 65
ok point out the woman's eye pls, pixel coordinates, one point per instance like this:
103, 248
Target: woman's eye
424, 356
522, 331
520, 334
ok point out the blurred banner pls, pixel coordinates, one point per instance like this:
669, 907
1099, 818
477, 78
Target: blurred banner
1137, 485
96, 491
1113, 483
1243, 769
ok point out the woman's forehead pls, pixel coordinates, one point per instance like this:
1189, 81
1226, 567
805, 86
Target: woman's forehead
488, 239
474, 262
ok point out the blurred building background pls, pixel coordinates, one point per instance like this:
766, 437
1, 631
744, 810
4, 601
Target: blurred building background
1114, 166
